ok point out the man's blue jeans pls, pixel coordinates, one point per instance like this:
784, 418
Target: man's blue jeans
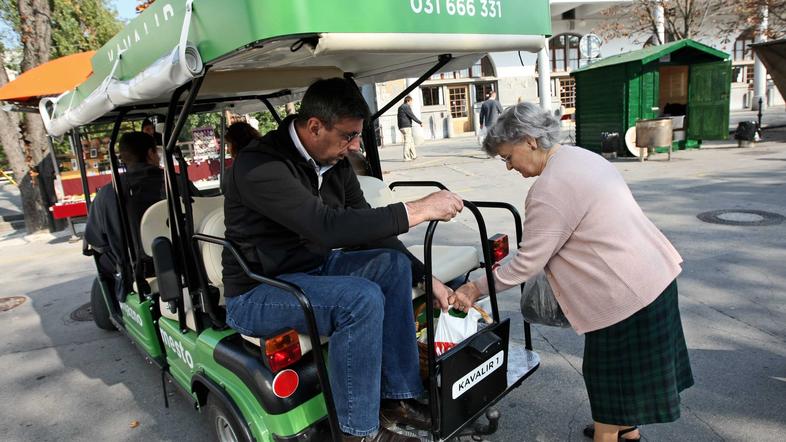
363, 302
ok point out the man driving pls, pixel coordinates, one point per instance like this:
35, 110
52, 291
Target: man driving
294, 207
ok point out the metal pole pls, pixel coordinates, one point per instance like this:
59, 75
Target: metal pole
758, 123
76, 145
222, 148
544, 77
759, 71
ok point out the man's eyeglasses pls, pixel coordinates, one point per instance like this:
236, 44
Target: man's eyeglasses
504, 159
348, 137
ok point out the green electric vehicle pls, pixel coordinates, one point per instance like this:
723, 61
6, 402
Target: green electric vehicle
182, 57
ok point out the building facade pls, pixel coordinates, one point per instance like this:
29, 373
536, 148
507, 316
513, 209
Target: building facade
448, 102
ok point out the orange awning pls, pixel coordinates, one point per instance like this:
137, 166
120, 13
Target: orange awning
51, 78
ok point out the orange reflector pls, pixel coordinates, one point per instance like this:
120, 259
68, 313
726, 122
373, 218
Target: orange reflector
282, 350
285, 383
499, 247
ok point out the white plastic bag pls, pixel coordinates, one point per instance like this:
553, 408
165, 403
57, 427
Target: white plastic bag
538, 304
451, 330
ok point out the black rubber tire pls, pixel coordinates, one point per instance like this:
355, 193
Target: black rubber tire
222, 422
99, 308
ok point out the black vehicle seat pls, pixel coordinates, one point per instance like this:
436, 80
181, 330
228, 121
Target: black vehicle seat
448, 262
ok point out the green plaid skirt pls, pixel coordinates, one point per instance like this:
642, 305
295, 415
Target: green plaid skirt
634, 370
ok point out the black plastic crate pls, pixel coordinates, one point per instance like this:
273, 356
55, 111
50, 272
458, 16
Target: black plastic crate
471, 376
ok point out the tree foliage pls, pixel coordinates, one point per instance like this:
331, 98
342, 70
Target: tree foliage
40, 29
693, 18
82, 25
77, 25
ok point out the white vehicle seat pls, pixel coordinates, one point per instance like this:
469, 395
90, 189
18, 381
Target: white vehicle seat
155, 223
448, 262
213, 225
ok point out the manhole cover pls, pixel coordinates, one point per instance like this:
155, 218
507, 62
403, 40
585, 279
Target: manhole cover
83, 313
11, 302
741, 217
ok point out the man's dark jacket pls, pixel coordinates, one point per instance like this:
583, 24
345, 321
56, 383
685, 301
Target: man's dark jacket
406, 117
281, 221
489, 112
144, 186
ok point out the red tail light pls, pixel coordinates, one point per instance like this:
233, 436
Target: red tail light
282, 350
285, 383
499, 247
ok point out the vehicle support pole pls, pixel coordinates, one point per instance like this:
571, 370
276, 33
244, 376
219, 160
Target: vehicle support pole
442, 61
170, 187
519, 236
369, 131
272, 110
76, 145
129, 248
222, 148
180, 235
432, 357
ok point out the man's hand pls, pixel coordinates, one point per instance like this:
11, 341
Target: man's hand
442, 293
442, 205
464, 297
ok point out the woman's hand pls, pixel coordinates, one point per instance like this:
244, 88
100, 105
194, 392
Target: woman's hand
464, 297
442, 294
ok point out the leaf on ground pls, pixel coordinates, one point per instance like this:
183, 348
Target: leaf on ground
134, 424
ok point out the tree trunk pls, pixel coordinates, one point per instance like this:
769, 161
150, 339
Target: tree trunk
35, 35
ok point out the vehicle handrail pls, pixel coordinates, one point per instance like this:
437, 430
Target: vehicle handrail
432, 226
436, 184
308, 312
519, 237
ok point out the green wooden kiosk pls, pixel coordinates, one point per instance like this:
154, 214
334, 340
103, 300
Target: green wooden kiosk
684, 77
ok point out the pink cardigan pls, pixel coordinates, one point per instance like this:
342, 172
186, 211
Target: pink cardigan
604, 258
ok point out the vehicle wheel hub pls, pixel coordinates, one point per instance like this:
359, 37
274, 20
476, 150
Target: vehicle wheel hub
224, 430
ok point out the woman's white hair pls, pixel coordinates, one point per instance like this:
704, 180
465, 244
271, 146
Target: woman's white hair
524, 121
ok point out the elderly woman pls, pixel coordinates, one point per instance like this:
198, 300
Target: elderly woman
612, 272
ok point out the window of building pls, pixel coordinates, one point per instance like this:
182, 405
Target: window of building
567, 91
483, 68
742, 73
432, 95
483, 89
458, 101
564, 50
742, 49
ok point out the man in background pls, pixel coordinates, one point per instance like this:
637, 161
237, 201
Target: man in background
405, 119
489, 112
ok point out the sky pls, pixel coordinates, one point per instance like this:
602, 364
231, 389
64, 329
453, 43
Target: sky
125, 8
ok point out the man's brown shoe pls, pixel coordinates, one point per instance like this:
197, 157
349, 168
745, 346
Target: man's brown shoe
383, 435
406, 412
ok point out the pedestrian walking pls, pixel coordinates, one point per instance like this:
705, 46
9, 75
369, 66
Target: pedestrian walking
489, 112
405, 119
617, 286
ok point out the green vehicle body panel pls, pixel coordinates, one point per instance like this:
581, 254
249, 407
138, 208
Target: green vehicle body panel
138, 321
196, 356
219, 27
709, 88
613, 93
